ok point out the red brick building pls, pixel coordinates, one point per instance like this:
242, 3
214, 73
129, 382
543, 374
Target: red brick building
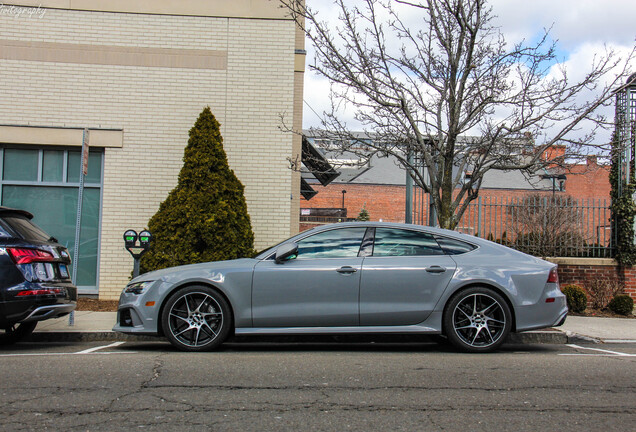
384, 194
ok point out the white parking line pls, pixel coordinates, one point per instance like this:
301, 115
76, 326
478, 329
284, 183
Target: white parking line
605, 353
84, 352
90, 350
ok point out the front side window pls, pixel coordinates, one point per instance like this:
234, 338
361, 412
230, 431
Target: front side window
337, 243
399, 242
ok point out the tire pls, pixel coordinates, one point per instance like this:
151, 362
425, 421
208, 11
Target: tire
477, 320
196, 318
16, 332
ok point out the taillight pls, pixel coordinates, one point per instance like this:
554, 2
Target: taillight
554, 276
26, 256
48, 291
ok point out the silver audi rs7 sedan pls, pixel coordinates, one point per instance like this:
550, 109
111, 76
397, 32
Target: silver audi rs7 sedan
359, 277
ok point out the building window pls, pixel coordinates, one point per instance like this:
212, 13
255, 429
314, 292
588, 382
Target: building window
561, 185
45, 182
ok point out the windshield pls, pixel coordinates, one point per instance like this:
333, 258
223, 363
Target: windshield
25, 228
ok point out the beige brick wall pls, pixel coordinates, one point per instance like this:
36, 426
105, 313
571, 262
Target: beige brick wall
156, 106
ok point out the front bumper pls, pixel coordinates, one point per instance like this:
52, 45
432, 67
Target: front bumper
139, 313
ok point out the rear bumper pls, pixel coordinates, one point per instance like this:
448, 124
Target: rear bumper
15, 309
561, 320
542, 315
51, 311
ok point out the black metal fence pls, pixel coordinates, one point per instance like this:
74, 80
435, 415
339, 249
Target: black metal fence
539, 225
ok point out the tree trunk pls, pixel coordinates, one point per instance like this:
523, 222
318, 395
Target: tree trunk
445, 213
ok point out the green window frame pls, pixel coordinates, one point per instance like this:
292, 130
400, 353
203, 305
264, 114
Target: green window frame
45, 182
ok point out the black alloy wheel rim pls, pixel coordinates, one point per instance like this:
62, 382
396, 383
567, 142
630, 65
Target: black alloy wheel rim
479, 320
195, 319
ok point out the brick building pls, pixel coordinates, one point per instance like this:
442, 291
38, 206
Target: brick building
380, 188
138, 73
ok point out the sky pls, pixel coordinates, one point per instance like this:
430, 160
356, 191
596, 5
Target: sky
581, 28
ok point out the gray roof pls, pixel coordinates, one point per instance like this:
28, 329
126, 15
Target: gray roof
387, 171
515, 180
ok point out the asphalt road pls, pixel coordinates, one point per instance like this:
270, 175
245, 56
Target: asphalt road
147, 386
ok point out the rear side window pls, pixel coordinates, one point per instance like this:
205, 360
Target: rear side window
3, 232
25, 228
454, 247
399, 242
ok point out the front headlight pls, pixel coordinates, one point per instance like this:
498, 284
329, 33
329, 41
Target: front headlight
137, 287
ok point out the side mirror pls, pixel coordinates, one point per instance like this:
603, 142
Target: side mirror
286, 251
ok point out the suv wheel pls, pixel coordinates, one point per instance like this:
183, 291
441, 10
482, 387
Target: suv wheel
16, 332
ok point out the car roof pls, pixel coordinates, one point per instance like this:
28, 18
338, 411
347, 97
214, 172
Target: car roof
7, 210
467, 238
433, 230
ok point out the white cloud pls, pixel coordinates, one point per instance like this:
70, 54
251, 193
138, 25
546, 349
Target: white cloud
582, 28
573, 22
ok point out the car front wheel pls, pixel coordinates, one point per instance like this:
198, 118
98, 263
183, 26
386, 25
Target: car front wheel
196, 318
16, 332
477, 320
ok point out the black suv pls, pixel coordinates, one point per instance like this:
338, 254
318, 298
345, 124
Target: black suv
34, 276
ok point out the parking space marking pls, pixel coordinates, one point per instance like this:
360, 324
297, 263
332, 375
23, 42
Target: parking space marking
90, 351
605, 353
620, 341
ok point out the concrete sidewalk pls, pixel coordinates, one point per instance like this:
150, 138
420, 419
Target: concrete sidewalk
91, 326
88, 326
605, 330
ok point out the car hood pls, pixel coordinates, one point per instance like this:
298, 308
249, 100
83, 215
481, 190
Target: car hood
201, 268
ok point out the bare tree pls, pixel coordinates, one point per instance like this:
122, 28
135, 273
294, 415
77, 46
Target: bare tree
421, 91
545, 225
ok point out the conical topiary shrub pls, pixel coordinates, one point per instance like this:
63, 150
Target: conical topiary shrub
363, 216
205, 216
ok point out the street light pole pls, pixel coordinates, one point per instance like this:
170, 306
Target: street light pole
554, 178
408, 207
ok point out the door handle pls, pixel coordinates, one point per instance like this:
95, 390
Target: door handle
435, 269
346, 269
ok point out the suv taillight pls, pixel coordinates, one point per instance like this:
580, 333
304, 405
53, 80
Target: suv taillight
37, 292
27, 256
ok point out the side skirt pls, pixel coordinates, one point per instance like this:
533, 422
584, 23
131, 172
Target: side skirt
414, 329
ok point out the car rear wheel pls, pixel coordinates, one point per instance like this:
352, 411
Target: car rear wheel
477, 320
16, 332
196, 318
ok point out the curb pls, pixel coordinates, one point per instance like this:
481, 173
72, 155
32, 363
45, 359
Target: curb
538, 337
532, 337
87, 336
578, 338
